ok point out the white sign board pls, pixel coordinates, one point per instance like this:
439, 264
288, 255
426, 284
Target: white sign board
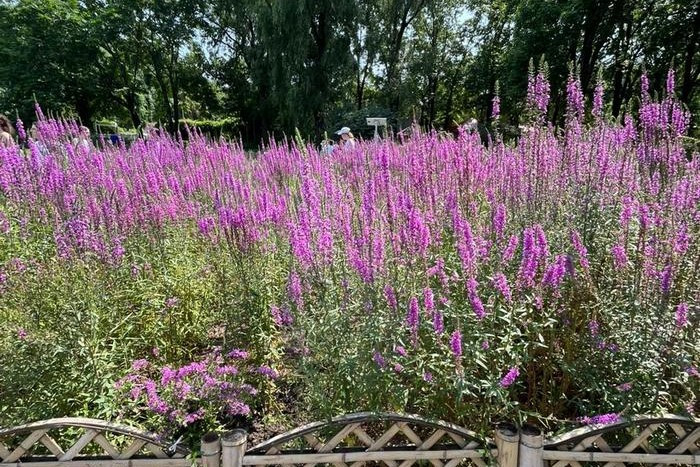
375, 121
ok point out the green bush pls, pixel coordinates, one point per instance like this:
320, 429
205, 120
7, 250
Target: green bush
226, 127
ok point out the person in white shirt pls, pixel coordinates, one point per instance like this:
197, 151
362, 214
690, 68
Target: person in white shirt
83, 139
327, 147
346, 136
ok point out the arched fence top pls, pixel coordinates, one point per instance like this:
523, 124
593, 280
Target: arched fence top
363, 418
81, 422
578, 435
94, 431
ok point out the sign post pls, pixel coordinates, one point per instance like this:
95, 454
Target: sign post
376, 122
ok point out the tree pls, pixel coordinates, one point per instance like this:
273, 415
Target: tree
50, 57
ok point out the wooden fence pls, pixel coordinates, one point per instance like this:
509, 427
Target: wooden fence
358, 439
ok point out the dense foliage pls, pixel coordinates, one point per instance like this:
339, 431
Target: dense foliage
321, 64
555, 278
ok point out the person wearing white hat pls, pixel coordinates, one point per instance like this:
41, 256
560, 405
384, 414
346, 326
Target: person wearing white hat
346, 136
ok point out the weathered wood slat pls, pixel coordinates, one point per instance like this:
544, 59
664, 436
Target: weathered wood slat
25, 445
109, 463
604, 447
313, 441
51, 445
582, 446
461, 442
425, 445
637, 441
156, 451
338, 438
678, 430
382, 440
133, 449
335, 457
4, 452
410, 434
629, 457
363, 436
109, 449
83, 441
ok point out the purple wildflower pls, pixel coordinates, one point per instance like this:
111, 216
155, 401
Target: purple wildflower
237, 354
555, 273
496, 107
580, 249
428, 377
500, 283
22, 334
294, 288
624, 387
390, 297
456, 344
619, 257
438, 323
428, 301
398, 368
267, 371
413, 316
604, 419
485, 345
192, 417
528, 265
238, 408
598, 101
499, 220
400, 350
167, 375
666, 278
510, 377
681, 315
594, 328
138, 365
227, 370
670, 81
379, 360
509, 251
281, 316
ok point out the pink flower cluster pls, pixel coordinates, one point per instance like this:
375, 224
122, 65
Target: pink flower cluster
214, 386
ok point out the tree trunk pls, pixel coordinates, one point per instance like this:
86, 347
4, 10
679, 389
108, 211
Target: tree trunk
689, 76
132, 107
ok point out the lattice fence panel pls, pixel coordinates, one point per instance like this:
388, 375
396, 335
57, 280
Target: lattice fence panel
72, 439
661, 441
360, 436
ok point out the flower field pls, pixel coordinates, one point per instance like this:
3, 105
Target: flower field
185, 286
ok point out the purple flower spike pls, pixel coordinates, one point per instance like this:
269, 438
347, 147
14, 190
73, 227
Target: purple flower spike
510, 377
456, 344
604, 419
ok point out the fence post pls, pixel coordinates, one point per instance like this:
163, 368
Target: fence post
507, 438
233, 447
531, 449
211, 450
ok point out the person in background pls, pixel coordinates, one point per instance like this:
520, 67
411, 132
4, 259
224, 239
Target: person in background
83, 138
327, 147
6, 131
38, 144
346, 137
